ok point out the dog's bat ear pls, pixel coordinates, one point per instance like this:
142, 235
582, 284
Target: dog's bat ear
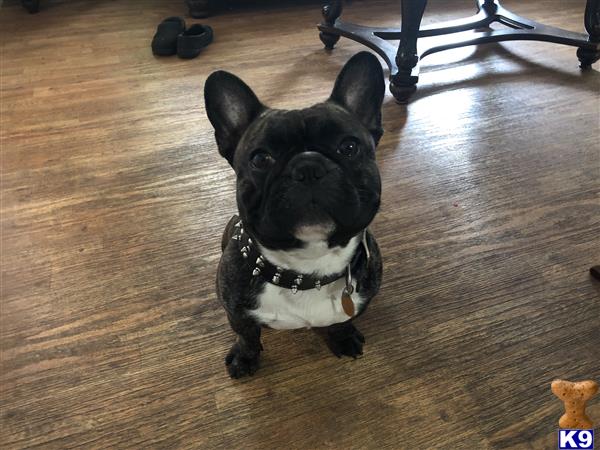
360, 89
231, 107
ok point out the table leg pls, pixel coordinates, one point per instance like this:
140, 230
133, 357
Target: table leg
592, 25
404, 83
331, 12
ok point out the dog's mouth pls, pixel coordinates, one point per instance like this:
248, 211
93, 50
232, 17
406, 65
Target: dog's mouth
312, 200
312, 220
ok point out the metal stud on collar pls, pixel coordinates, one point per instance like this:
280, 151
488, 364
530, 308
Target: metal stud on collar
297, 283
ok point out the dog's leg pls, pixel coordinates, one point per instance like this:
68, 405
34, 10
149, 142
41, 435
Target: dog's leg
344, 339
243, 358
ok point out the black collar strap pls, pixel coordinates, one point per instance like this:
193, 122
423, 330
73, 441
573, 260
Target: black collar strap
279, 276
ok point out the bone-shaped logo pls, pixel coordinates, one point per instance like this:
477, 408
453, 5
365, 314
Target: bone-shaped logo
574, 396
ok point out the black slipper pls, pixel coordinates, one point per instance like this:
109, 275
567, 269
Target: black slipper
193, 40
164, 42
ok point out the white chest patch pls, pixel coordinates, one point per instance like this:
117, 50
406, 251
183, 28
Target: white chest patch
282, 310
279, 308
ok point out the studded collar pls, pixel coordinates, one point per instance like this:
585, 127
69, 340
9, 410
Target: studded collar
289, 279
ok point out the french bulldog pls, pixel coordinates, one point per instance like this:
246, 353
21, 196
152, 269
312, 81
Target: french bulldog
299, 253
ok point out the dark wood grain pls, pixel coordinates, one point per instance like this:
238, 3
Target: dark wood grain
114, 198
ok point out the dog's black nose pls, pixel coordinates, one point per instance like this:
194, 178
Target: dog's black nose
308, 167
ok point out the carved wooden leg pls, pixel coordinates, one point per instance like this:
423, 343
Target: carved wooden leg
330, 14
198, 8
592, 25
404, 83
489, 5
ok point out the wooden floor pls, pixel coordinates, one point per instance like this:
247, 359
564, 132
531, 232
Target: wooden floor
114, 198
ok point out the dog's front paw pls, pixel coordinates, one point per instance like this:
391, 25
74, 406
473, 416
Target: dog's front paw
239, 365
345, 341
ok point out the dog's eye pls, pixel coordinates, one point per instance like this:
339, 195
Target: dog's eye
261, 159
349, 148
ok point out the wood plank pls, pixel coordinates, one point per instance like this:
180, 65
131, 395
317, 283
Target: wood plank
114, 198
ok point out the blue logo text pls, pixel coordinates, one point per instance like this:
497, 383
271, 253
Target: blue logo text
575, 439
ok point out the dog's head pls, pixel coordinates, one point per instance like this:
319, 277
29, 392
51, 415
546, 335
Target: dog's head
303, 174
